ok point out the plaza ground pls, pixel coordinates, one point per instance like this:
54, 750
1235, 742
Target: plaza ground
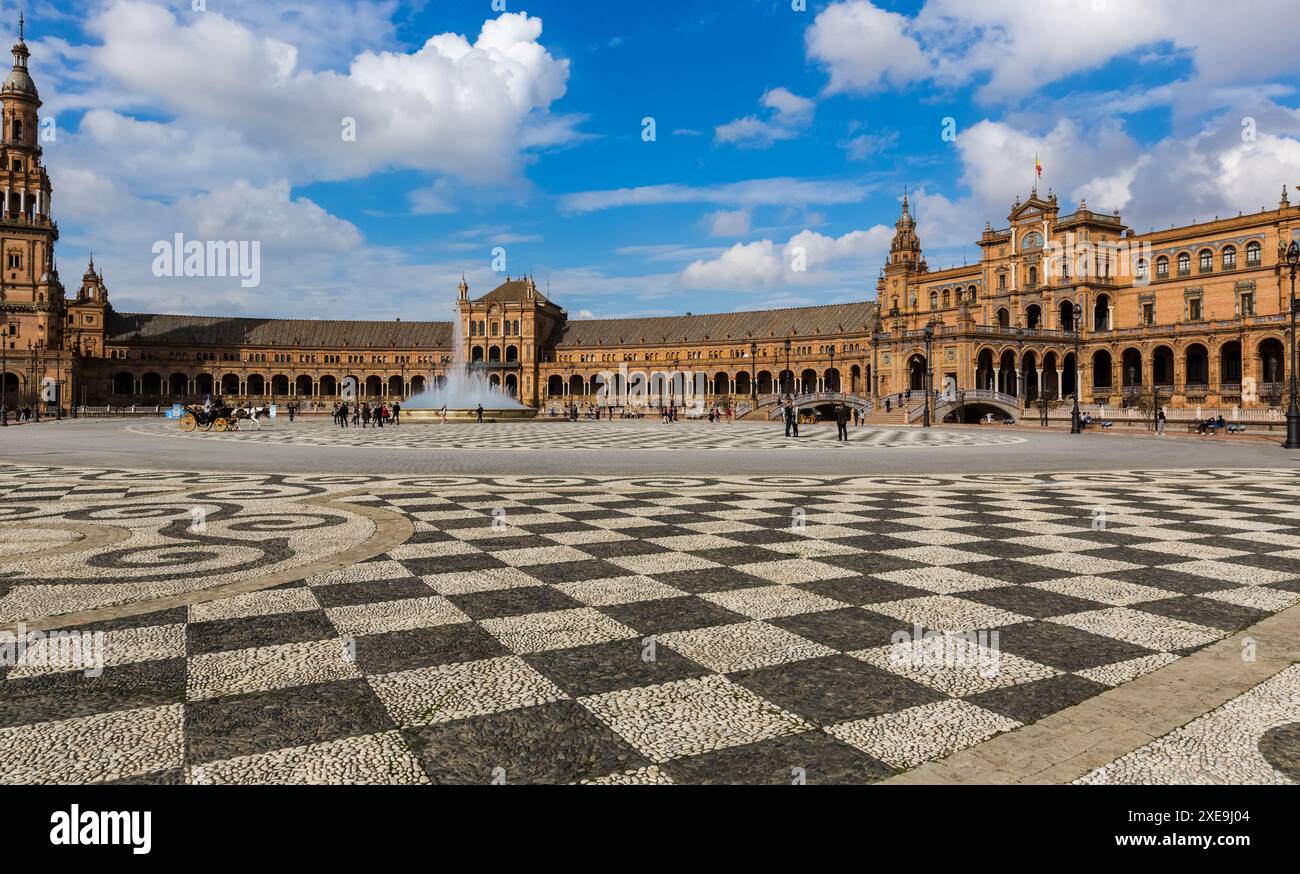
639, 603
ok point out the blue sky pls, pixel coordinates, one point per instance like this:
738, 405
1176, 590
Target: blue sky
777, 131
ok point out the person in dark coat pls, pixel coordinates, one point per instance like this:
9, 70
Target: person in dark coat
842, 423
791, 420
478, 414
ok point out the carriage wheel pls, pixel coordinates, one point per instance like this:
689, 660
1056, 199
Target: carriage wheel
188, 423
220, 425
205, 427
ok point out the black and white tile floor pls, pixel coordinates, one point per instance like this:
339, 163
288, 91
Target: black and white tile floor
587, 436
642, 631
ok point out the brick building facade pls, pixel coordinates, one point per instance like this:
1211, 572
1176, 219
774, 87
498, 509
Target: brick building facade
1195, 315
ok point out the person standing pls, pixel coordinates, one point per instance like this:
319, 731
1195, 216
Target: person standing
842, 423
478, 414
365, 415
791, 426
397, 414
1161, 423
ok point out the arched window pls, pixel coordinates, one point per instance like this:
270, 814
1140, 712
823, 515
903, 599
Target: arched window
970, 294
1033, 240
1230, 258
934, 300
1184, 264
1162, 267
1033, 277
1142, 268
1252, 254
947, 298
1206, 260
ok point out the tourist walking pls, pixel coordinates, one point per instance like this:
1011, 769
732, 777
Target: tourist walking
1161, 424
791, 420
842, 423
397, 414
365, 415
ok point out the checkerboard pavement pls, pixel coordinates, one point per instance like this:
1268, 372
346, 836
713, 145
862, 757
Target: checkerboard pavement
655, 635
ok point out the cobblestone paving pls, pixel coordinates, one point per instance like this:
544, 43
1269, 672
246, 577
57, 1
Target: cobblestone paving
1255, 738
650, 630
587, 436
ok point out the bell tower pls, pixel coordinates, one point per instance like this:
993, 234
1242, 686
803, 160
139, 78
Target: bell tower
905, 261
30, 293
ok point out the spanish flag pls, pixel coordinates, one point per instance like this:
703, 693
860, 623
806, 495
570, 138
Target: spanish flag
1038, 166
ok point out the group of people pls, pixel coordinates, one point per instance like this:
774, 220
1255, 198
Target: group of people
844, 414
1210, 425
364, 415
21, 414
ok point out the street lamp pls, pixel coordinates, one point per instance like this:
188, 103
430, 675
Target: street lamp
832, 370
1076, 420
753, 364
929, 342
787, 367
1293, 411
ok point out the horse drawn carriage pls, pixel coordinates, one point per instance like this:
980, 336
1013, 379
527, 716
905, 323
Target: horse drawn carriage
219, 417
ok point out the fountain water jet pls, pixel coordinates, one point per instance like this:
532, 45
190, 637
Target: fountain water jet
466, 388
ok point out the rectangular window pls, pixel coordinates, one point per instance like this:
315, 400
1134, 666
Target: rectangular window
1148, 314
1194, 310
1247, 305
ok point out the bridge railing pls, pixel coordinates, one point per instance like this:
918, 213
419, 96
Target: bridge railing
968, 396
823, 397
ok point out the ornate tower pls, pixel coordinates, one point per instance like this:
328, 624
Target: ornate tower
905, 259
30, 293
88, 315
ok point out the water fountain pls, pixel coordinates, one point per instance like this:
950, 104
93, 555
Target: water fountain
465, 389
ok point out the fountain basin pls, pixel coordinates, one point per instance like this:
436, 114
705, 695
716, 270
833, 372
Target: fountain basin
433, 417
